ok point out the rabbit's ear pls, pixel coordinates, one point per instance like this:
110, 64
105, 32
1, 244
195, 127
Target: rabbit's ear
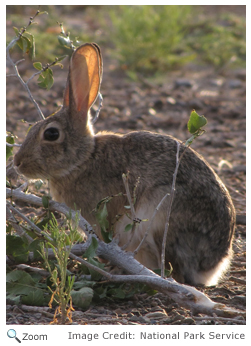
84, 78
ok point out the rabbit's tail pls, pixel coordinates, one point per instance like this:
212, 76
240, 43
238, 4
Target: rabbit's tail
212, 276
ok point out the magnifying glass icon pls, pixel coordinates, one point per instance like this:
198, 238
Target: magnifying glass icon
12, 334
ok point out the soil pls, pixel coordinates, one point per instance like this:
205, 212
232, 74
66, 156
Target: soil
163, 107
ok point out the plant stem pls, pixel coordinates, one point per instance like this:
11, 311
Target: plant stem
169, 211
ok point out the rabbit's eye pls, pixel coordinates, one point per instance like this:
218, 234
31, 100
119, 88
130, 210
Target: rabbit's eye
51, 134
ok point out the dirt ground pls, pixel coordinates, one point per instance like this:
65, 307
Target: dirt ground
164, 108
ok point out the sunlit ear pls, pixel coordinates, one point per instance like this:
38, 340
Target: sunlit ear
84, 78
67, 94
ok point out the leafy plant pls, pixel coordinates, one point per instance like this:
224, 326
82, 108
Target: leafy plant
153, 38
62, 283
194, 125
150, 37
219, 41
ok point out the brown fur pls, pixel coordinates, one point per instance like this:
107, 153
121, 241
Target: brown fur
83, 168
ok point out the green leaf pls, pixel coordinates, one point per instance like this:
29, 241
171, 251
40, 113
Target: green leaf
95, 276
83, 297
38, 184
9, 150
45, 80
64, 41
83, 283
61, 58
16, 30
103, 222
20, 284
195, 122
45, 201
91, 251
17, 248
31, 45
128, 227
43, 12
167, 272
38, 66
24, 44
117, 293
35, 297
35, 247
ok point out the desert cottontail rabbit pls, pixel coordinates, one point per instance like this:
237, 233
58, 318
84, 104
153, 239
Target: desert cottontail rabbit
83, 167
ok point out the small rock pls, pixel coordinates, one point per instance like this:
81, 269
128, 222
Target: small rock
118, 311
188, 320
152, 111
171, 100
146, 319
134, 318
183, 83
124, 320
216, 82
234, 84
156, 315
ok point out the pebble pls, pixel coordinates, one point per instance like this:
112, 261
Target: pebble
216, 82
133, 318
124, 320
156, 315
183, 83
135, 312
119, 311
234, 84
171, 100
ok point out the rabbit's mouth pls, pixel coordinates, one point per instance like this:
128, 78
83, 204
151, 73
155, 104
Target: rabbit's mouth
30, 171
22, 171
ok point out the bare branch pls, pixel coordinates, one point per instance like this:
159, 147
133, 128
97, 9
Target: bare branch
34, 227
13, 145
33, 269
125, 181
186, 296
169, 211
14, 223
25, 85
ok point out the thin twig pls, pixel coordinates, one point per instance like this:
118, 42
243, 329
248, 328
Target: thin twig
125, 181
37, 270
150, 224
172, 193
133, 213
90, 266
14, 65
54, 206
24, 84
26, 219
13, 145
14, 223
